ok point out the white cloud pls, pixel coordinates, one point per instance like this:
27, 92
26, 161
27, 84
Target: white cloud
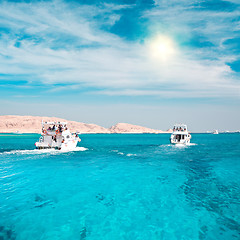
65, 44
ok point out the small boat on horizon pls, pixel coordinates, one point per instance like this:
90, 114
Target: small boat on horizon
215, 132
180, 135
56, 135
17, 132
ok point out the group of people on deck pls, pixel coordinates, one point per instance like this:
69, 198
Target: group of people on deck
182, 129
60, 128
57, 129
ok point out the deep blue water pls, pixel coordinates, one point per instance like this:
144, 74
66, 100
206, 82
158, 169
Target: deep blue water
121, 187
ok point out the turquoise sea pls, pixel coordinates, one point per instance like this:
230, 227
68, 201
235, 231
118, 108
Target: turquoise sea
132, 186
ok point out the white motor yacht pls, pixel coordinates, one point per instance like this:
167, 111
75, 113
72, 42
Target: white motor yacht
215, 132
180, 134
56, 135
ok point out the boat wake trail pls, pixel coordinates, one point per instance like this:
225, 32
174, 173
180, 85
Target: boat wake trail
76, 149
178, 145
183, 145
126, 154
44, 151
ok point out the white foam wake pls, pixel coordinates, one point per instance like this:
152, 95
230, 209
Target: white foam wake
192, 144
76, 149
184, 145
45, 151
178, 145
121, 153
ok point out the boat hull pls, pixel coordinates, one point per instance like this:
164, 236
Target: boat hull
64, 146
180, 143
69, 146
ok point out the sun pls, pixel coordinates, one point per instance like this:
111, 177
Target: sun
162, 47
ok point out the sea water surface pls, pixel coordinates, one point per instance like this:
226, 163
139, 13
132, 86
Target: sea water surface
129, 186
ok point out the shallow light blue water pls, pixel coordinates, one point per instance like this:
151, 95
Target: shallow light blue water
121, 187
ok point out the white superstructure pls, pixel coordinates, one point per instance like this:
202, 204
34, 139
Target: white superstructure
56, 135
215, 132
180, 134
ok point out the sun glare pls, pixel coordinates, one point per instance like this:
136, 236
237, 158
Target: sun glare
162, 47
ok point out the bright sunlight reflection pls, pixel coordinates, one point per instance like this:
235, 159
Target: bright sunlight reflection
162, 47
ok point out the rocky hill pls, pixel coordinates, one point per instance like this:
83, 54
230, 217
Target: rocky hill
32, 124
129, 128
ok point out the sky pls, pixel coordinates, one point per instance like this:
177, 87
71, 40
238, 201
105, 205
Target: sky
146, 62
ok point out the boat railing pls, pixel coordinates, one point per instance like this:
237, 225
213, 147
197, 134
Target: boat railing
51, 132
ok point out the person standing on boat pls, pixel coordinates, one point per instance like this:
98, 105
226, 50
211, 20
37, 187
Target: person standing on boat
60, 128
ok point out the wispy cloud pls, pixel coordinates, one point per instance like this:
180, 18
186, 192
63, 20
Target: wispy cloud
58, 42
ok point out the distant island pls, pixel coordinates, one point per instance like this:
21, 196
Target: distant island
32, 124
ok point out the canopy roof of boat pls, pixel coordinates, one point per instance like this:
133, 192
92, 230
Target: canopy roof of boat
180, 125
180, 133
54, 123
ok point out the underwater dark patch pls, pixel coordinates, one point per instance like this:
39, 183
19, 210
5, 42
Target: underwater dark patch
7, 234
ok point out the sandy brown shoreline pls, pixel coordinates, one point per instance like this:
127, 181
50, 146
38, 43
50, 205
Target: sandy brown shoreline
32, 124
